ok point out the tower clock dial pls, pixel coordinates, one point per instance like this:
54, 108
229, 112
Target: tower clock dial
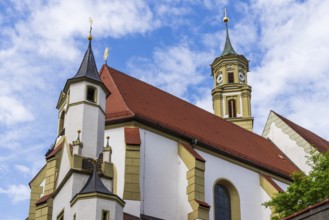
219, 79
241, 77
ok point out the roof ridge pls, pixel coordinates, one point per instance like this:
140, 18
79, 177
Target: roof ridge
167, 93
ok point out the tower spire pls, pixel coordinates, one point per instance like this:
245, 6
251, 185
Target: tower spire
90, 37
88, 66
228, 48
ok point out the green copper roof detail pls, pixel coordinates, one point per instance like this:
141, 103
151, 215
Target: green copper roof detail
228, 49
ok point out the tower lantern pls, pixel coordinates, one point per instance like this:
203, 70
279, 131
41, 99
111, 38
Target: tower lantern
231, 94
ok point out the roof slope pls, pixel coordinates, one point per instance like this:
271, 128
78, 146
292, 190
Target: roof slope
316, 141
132, 98
88, 67
228, 48
95, 184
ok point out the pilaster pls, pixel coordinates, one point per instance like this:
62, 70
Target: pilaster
195, 178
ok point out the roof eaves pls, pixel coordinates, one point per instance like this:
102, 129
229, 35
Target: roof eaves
273, 183
43, 199
207, 145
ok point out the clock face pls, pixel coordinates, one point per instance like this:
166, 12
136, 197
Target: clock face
241, 76
219, 79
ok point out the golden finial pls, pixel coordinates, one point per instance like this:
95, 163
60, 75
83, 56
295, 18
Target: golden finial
90, 37
106, 54
79, 131
225, 19
108, 144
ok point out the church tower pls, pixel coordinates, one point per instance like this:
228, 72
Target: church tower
231, 94
82, 108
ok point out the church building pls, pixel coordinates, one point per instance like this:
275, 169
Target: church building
128, 150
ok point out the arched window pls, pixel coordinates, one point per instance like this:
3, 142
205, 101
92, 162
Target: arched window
231, 108
226, 201
222, 203
61, 122
91, 94
230, 77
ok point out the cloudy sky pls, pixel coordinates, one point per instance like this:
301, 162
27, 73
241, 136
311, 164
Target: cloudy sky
167, 43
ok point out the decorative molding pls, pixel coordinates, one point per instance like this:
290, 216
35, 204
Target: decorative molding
112, 197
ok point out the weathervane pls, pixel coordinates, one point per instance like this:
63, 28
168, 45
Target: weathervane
225, 19
106, 54
90, 37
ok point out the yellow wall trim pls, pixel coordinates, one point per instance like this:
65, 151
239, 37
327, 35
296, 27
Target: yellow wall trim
195, 178
132, 173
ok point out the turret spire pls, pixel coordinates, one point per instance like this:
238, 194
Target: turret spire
90, 37
228, 48
88, 66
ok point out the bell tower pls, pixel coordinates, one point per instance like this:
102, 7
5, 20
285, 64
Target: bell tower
231, 94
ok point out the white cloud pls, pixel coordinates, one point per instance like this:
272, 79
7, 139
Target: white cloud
204, 101
292, 76
173, 69
23, 169
13, 111
16, 193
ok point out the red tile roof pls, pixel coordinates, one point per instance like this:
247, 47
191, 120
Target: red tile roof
204, 204
55, 151
318, 142
43, 199
190, 149
127, 216
273, 183
133, 99
309, 209
132, 136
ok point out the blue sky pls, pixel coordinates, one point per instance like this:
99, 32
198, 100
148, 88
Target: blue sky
167, 43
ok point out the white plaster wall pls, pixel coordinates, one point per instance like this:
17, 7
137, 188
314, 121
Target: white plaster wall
73, 122
64, 165
92, 208
79, 181
108, 184
117, 143
282, 185
245, 181
62, 200
159, 176
296, 153
183, 205
165, 182
87, 118
92, 131
133, 207
116, 211
43, 184
101, 97
265, 212
84, 209
78, 93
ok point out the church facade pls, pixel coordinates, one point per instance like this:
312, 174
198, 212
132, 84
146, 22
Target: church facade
127, 150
